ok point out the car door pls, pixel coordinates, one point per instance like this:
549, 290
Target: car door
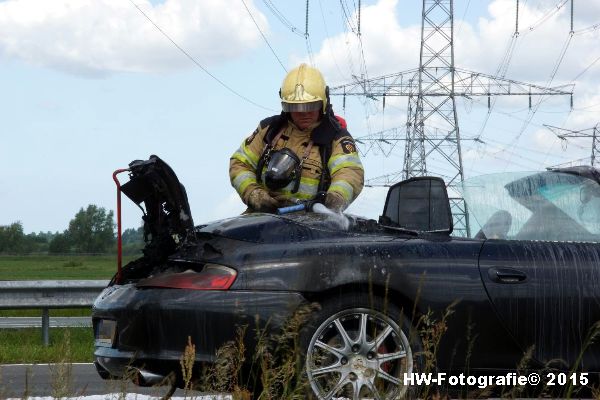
543, 273
547, 295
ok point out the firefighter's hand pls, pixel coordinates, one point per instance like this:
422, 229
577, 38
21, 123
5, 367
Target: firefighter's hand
334, 201
260, 200
283, 201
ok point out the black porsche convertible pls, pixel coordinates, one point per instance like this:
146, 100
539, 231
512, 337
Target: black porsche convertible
393, 296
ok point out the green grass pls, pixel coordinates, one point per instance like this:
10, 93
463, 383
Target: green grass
25, 345
58, 267
48, 267
67, 312
19, 345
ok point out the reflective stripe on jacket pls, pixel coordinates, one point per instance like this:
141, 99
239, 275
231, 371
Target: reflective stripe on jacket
345, 168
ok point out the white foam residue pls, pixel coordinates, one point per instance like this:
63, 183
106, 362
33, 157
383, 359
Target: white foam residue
338, 218
130, 396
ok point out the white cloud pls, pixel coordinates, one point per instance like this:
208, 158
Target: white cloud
390, 47
543, 31
480, 45
385, 44
544, 140
94, 37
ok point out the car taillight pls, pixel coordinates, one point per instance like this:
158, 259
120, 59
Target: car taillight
212, 277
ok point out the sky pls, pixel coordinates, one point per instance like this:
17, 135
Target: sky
87, 86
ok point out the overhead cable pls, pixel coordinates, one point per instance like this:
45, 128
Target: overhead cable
346, 12
502, 69
364, 74
333, 57
558, 63
586, 69
588, 29
279, 15
545, 17
263, 35
552, 76
191, 58
462, 21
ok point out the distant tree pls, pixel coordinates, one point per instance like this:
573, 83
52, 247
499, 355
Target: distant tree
131, 235
92, 229
133, 241
60, 243
36, 242
12, 239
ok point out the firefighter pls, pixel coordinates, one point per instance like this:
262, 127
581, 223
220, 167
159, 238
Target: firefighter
300, 154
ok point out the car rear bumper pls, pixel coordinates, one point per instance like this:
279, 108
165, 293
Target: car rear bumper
153, 324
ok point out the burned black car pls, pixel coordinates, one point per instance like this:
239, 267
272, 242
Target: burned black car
526, 282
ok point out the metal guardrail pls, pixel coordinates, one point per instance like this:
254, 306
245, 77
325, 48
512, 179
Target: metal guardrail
36, 322
49, 294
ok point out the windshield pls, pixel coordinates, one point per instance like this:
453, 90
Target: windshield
550, 206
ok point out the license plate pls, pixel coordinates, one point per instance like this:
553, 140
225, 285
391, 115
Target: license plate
105, 332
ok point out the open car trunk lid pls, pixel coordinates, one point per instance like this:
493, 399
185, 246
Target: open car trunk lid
168, 222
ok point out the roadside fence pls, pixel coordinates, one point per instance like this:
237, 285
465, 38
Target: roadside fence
46, 295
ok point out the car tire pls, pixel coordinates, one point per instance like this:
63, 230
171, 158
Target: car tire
357, 345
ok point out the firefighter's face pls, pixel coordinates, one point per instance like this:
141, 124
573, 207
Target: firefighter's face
305, 119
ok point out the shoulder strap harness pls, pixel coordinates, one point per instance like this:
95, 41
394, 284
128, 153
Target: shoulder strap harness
322, 136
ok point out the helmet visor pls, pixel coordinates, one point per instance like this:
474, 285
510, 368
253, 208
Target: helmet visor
301, 107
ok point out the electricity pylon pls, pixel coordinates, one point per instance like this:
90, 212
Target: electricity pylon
593, 133
432, 90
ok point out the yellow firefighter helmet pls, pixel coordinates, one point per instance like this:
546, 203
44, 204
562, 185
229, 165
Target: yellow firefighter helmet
303, 89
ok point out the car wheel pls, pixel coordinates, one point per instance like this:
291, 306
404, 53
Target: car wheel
359, 347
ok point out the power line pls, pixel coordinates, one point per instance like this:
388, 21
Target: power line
230, 89
586, 69
521, 148
347, 23
588, 107
508, 114
329, 43
500, 72
345, 12
594, 132
279, 15
503, 68
462, 21
546, 16
587, 30
552, 76
263, 35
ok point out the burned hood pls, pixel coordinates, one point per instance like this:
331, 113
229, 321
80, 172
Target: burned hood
154, 187
269, 228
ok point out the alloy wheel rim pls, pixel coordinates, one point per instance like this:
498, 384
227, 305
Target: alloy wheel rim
358, 353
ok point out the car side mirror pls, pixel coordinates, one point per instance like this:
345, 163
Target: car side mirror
419, 204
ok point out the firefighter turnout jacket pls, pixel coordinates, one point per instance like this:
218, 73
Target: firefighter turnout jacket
331, 145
